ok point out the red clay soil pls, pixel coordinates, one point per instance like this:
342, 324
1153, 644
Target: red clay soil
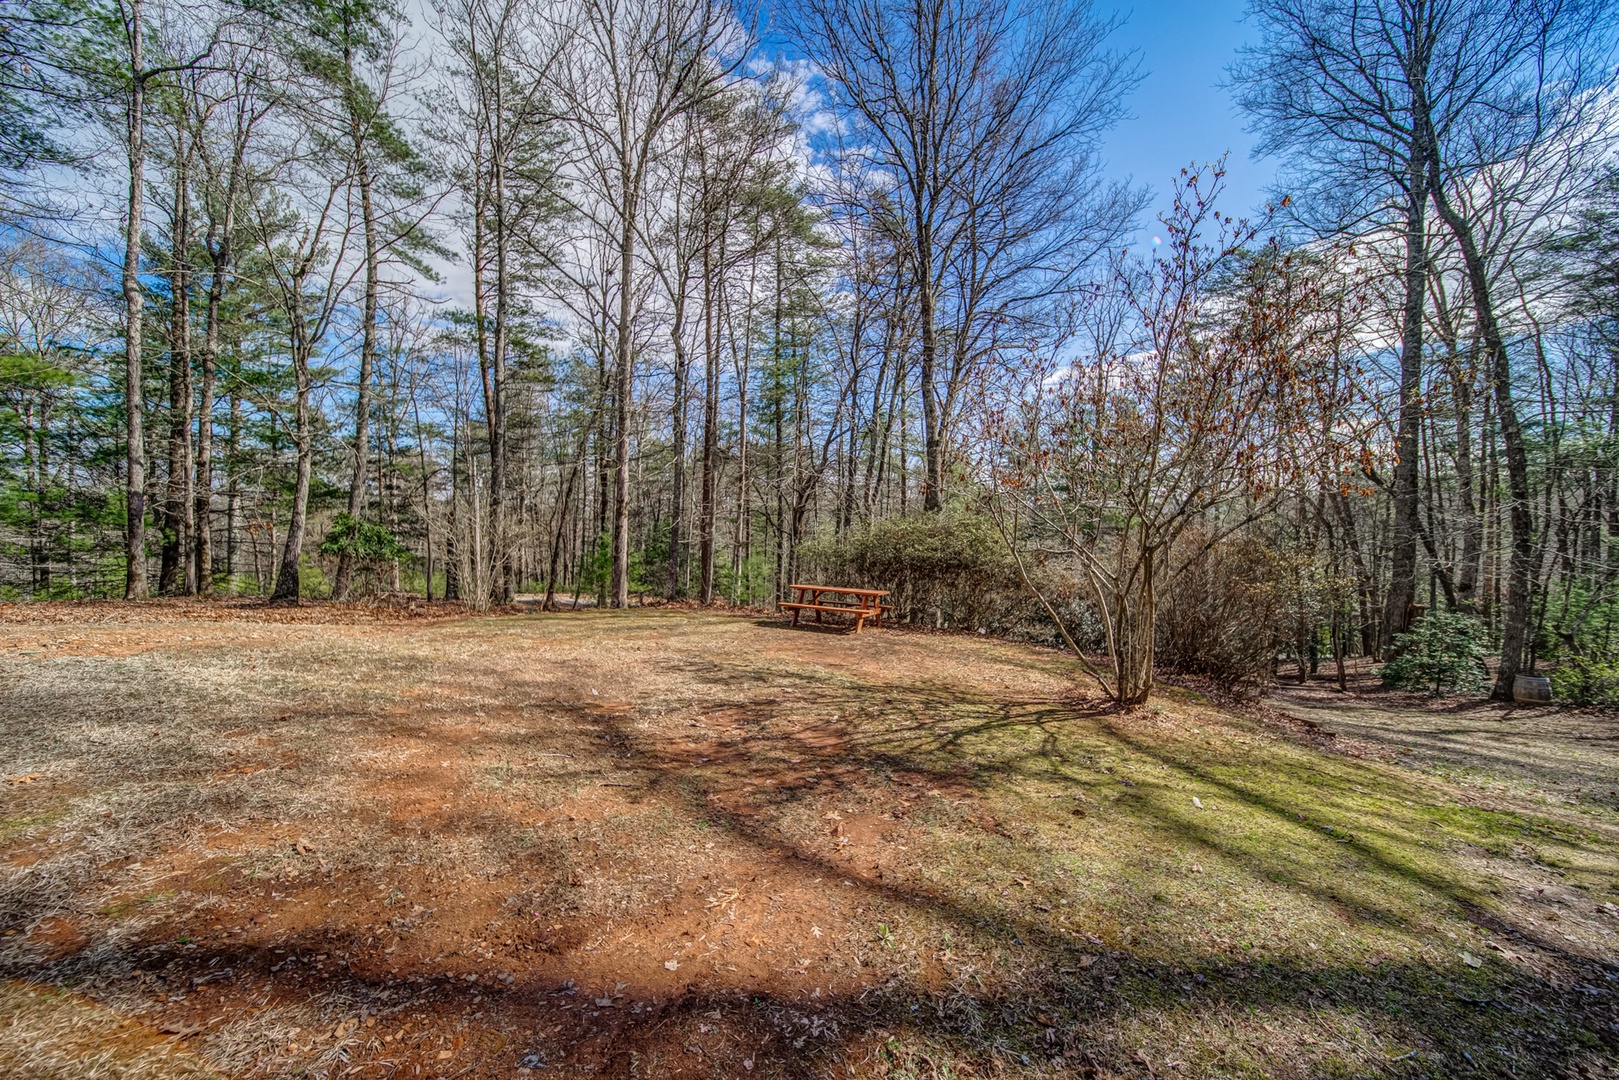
742, 957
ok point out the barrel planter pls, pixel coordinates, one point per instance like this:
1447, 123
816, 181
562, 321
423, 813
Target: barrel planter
1532, 690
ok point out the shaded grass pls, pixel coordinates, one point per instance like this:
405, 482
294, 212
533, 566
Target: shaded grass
1300, 877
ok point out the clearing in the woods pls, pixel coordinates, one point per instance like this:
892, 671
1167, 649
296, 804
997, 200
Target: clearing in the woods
252, 842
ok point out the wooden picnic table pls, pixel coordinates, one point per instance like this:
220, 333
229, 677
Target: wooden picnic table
863, 604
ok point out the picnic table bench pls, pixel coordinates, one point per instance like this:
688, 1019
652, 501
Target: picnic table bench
863, 604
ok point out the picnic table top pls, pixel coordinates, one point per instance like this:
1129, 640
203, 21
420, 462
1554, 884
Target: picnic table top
839, 589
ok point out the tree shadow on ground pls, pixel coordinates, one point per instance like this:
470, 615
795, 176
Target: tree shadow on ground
1571, 753
1455, 1014
1036, 995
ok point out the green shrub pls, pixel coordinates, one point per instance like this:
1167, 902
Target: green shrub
363, 541
751, 583
1443, 652
313, 583
948, 568
1583, 681
370, 546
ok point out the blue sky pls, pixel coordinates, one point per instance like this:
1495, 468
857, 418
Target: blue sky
1180, 112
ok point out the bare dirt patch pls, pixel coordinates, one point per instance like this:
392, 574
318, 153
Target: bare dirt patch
669, 843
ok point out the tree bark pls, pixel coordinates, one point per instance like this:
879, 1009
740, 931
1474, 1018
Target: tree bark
500, 557
286, 581
368, 354
1520, 512
477, 554
624, 363
177, 575
933, 481
677, 495
134, 436
452, 525
1467, 573
1403, 559
220, 253
711, 420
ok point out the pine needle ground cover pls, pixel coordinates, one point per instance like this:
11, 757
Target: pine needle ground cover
257, 842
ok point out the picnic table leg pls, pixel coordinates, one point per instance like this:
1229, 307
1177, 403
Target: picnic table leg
858, 619
795, 616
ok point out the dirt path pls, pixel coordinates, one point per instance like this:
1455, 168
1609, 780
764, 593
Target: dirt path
677, 844
1546, 755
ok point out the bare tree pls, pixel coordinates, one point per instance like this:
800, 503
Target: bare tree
987, 116
1384, 108
729, 167
134, 406
1339, 89
1195, 402
619, 75
1524, 80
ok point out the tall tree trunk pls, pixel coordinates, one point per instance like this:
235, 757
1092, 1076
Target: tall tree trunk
711, 420
604, 485
742, 541
427, 493
1467, 573
177, 575
778, 418
233, 497
933, 481
476, 554
220, 253
368, 357
904, 476
34, 480
501, 565
1403, 560
1520, 512
134, 436
624, 388
452, 524
677, 494
203, 555
286, 581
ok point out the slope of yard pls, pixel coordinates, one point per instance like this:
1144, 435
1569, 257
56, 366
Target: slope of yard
239, 842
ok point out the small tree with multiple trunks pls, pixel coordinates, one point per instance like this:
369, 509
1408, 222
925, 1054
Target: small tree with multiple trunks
1198, 399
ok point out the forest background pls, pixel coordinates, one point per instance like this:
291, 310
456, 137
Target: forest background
824, 290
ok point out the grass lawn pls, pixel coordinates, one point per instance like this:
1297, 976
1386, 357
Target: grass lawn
238, 841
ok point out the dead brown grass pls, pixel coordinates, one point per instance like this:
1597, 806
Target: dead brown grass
49, 1035
671, 843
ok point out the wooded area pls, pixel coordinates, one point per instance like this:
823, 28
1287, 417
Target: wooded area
842, 287
690, 539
